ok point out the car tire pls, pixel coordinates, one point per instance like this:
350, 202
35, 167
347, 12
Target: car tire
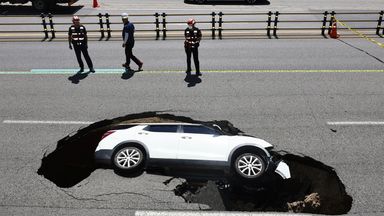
128, 159
249, 166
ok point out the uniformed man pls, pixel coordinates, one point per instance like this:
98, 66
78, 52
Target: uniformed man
191, 44
129, 41
77, 36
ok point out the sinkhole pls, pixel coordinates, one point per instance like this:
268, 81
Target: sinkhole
314, 187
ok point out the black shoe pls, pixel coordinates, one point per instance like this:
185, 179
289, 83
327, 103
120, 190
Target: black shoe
140, 66
81, 70
128, 70
198, 74
92, 70
125, 65
188, 72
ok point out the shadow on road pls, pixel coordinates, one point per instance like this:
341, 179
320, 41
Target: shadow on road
313, 188
127, 75
75, 79
192, 80
29, 10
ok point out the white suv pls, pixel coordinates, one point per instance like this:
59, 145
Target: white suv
189, 147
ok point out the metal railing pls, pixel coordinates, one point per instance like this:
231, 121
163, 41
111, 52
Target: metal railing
213, 25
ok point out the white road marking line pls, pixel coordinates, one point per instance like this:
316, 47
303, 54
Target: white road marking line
356, 123
47, 122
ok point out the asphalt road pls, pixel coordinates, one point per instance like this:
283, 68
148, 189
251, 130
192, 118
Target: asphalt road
290, 110
252, 54
254, 84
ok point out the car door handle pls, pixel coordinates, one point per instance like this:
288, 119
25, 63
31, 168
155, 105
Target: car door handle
141, 133
186, 137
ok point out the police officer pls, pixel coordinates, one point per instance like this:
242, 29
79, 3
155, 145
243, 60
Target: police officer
191, 44
129, 42
77, 35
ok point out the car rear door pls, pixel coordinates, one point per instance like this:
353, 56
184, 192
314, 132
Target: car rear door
202, 143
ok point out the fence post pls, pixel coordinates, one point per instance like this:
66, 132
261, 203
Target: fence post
275, 23
379, 23
269, 24
220, 25
164, 15
44, 23
331, 21
324, 23
51, 25
213, 25
108, 23
157, 23
101, 25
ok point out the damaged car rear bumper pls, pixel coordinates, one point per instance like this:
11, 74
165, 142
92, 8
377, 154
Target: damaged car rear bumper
283, 170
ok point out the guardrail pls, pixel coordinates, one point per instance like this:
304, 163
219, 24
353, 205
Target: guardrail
213, 25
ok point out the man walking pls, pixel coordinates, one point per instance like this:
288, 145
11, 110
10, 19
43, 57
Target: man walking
191, 44
77, 36
129, 42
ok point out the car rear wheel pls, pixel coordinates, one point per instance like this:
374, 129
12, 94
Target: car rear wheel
128, 159
249, 165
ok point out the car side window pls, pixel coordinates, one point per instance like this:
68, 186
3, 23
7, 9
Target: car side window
162, 128
199, 130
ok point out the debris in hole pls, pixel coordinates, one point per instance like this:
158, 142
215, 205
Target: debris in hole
313, 188
311, 203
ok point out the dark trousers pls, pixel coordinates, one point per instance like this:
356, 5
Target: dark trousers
129, 55
189, 51
82, 49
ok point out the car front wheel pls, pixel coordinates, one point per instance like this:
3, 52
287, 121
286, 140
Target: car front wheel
249, 165
128, 159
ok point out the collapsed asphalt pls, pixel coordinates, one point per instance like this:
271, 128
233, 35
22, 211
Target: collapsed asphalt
313, 188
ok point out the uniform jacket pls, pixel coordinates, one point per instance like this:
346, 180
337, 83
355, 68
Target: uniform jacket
78, 35
192, 37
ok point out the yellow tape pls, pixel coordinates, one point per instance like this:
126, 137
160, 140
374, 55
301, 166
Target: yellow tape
360, 34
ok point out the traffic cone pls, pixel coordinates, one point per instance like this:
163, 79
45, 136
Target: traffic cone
95, 4
333, 32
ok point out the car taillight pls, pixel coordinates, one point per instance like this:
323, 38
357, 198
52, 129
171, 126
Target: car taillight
107, 133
